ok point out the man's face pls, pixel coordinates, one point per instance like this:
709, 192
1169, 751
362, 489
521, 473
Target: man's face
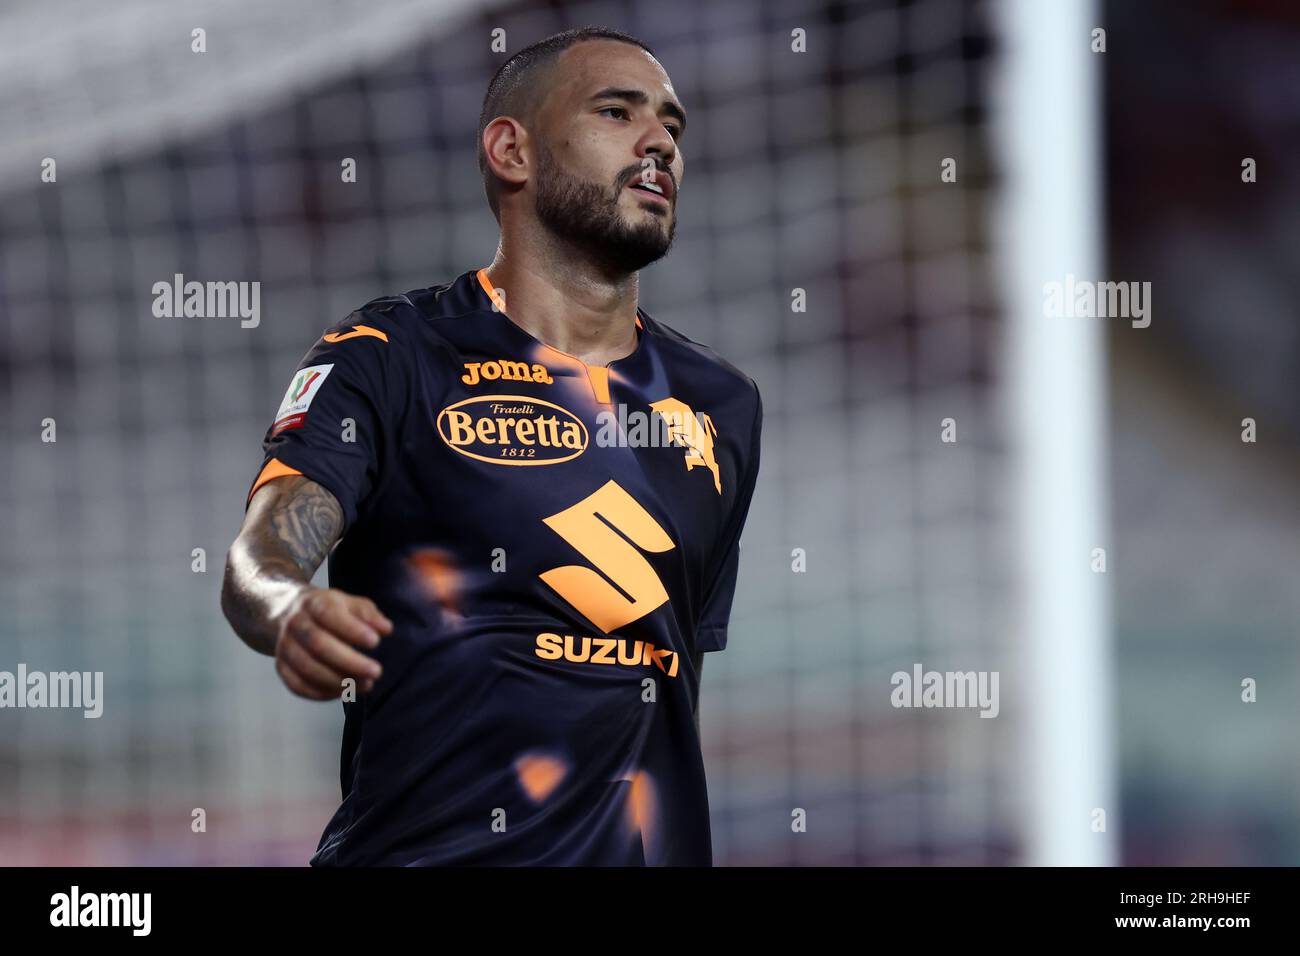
608, 129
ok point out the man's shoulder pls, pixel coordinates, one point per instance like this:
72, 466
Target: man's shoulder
444, 300
708, 361
404, 318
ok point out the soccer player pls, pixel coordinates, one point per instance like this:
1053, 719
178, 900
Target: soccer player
531, 493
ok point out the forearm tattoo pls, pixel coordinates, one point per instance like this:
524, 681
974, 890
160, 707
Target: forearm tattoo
290, 527
303, 525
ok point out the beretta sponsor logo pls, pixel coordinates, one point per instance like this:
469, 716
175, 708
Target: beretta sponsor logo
512, 430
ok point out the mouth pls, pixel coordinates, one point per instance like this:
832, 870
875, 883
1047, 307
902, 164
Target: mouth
658, 190
651, 196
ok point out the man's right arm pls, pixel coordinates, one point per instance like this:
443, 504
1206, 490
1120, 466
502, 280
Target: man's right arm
315, 634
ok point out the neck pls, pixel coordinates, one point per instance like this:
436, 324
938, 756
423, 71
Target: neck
559, 298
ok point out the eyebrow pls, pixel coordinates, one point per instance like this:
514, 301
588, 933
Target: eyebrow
640, 99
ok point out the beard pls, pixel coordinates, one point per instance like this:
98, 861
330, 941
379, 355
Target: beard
588, 217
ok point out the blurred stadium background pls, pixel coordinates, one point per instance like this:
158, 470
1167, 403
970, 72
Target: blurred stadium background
817, 171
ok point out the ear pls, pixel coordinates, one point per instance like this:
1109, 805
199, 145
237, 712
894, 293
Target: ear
508, 150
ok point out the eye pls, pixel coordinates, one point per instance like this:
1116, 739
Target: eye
674, 130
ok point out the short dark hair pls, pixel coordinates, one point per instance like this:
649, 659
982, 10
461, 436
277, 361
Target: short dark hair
515, 89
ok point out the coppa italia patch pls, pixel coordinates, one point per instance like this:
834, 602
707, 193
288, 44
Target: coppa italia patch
303, 388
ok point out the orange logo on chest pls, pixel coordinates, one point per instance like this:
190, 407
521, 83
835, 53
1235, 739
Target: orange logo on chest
695, 434
512, 430
505, 371
605, 650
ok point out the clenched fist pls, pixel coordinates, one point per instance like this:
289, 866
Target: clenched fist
317, 643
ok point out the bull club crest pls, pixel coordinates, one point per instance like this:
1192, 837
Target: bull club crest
692, 432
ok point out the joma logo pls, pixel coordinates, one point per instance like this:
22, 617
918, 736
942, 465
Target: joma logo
505, 371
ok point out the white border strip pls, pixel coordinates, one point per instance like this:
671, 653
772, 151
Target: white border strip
1049, 153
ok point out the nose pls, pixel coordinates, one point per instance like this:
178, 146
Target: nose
660, 144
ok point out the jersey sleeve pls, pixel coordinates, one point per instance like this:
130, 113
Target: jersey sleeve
711, 633
334, 424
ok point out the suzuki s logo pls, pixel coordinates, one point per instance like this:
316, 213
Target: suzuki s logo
512, 430
610, 529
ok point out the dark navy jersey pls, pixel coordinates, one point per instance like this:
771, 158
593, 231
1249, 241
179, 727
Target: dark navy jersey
555, 543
